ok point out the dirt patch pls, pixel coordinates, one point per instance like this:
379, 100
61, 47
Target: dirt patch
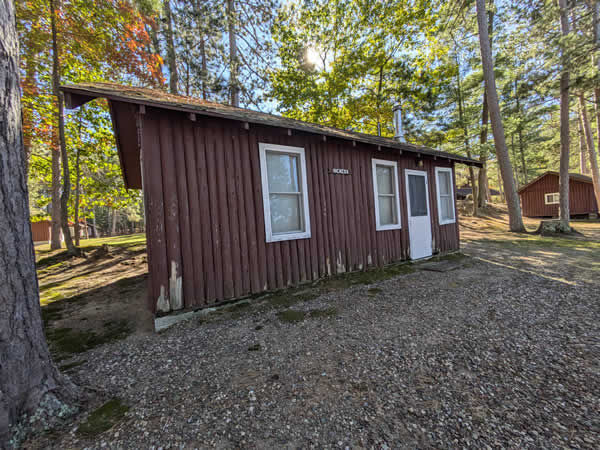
96, 298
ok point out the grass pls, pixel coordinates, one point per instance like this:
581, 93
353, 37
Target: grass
66, 342
323, 313
291, 316
535, 241
103, 418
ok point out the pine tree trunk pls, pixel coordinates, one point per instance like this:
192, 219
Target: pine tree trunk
510, 190
463, 122
171, 55
114, 222
589, 138
29, 381
55, 230
484, 191
563, 178
583, 169
204, 75
60, 116
234, 88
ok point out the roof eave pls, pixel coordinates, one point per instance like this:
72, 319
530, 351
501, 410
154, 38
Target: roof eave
76, 96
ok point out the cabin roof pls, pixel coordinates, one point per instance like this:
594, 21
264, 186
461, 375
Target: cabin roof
572, 176
78, 94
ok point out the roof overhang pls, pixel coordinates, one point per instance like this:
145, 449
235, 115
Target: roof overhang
117, 96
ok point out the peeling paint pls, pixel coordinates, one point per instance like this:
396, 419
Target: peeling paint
162, 304
340, 266
175, 288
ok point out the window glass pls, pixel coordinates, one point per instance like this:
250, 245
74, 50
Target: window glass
386, 210
286, 213
282, 171
444, 183
385, 179
418, 195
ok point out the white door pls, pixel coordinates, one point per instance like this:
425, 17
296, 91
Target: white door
419, 221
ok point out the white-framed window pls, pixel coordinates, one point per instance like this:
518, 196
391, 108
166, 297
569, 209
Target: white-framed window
387, 198
552, 199
445, 195
285, 192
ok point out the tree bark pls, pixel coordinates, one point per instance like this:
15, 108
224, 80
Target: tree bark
589, 138
583, 169
563, 178
60, 116
29, 382
484, 190
55, 229
512, 199
114, 222
591, 151
234, 88
171, 55
463, 123
78, 180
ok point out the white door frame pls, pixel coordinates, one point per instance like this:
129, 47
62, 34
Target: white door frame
420, 234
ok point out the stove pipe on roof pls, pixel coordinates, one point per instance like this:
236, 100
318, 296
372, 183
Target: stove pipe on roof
398, 133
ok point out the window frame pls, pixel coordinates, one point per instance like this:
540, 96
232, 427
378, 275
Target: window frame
441, 220
396, 185
263, 148
552, 202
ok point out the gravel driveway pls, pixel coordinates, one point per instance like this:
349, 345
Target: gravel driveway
479, 356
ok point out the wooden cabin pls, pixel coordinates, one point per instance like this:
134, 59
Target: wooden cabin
539, 197
40, 231
240, 202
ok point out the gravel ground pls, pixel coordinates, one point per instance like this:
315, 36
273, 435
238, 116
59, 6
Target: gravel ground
482, 356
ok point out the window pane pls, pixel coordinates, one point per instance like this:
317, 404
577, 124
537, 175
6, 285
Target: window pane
387, 210
385, 180
286, 213
282, 171
444, 183
447, 209
418, 197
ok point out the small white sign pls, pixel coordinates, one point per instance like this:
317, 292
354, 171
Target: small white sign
340, 171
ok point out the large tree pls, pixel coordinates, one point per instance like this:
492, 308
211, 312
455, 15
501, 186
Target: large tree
29, 381
510, 189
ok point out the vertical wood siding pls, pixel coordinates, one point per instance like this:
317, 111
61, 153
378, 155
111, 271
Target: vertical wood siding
205, 219
581, 197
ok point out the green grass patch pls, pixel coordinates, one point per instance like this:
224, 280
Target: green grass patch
66, 342
291, 316
373, 292
103, 418
533, 242
323, 313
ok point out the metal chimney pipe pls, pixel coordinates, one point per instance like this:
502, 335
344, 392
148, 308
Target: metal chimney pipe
399, 133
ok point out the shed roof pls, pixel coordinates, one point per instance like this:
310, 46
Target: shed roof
572, 176
81, 93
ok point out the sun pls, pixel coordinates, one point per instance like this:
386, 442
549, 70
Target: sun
312, 57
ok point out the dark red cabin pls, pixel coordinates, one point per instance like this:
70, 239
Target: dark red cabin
539, 198
240, 202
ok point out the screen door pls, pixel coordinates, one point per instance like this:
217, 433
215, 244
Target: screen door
419, 220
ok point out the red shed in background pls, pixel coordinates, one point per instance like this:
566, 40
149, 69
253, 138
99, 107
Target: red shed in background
539, 198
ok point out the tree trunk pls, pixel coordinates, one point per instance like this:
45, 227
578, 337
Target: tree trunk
204, 74
30, 384
484, 191
463, 123
583, 169
78, 181
591, 151
500, 187
563, 178
55, 231
510, 190
234, 88
589, 138
171, 55
60, 116
520, 133
114, 223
